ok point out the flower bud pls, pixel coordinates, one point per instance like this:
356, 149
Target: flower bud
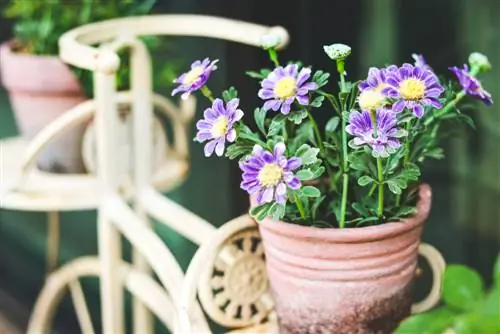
480, 60
337, 51
270, 41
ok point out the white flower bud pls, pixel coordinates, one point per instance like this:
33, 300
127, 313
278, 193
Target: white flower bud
337, 51
478, 59
269, 41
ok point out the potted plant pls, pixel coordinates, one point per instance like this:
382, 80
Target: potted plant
340, 208
41, 87
468, 308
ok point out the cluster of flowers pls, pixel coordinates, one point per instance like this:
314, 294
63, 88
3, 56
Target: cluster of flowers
387, 92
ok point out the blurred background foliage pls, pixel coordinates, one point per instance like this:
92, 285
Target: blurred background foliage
38, 24
465, 219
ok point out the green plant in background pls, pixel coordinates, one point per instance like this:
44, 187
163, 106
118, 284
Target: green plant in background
39, 24
468, 308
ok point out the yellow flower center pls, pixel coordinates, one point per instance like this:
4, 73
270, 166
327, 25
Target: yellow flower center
270, 175
285, 88
193, 75
380, 87
220, 126
412, 89
371, 99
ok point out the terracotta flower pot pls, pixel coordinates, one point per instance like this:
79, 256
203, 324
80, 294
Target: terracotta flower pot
356, 280
41, 88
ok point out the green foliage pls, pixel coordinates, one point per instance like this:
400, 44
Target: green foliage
39, 24
348, 179
468, 309
229, 94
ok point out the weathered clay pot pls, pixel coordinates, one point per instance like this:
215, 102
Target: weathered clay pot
356, 280
41, 88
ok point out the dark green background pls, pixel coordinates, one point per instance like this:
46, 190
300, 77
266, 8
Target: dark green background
464, 223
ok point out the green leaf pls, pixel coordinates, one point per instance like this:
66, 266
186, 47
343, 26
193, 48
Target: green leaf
238, 150
405, 211
310, 191
255, 75
259, 114
314, 207
276, 125
434, 322
229, 94
358, 162
320, 78
307, 154
297, 116
305, 175
261, 212
365, 180
466, 119
496, 272
276, 211
317, 102
332, 124
317, 171
394, 187
462, 287
435, 153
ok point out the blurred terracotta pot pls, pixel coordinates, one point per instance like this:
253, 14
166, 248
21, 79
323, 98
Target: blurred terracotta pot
355, 280
41, 88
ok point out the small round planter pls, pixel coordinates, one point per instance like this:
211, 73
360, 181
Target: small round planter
355, 280
41, 88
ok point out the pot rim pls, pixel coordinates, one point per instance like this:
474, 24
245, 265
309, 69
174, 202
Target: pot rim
6, 47
356, 234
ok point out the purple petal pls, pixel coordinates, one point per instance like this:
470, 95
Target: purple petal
203, 124
238, 114
231, 135
303, 99
279, 150
218, 107
294, 183
398, 106
210, 114
281, 189
304, 74
293, 163
210, 147
268, 194
267, 157
272, 104
418, 110
219, 149
203, 136
265, 94
232, 105
285, 108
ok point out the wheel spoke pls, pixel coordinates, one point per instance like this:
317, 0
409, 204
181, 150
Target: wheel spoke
82, 311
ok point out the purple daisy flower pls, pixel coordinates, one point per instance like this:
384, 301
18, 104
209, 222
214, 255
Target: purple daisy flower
420, 61
269, 174
414, 88
284, 85
387, 140
471, 85
217, 126
196, 77
377, 78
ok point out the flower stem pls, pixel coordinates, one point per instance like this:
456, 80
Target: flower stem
207, 93
345, 176
473, 72
380, 170
317, 133
299, 206
273, 55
